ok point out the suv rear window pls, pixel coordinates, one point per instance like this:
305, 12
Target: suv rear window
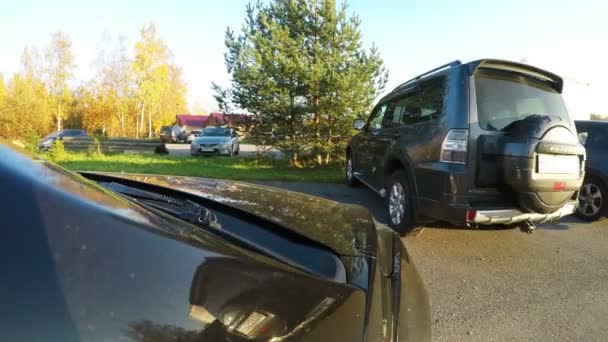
506, 97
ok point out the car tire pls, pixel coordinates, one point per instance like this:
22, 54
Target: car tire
592, 200
232, 150
349, 172
238, 148
399, 204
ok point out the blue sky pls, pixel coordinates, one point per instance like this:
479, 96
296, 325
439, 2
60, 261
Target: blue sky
567, 37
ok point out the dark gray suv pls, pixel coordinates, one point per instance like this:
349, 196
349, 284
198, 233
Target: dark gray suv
482, 143
593, 200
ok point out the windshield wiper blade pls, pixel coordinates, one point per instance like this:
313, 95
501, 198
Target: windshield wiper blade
181, 208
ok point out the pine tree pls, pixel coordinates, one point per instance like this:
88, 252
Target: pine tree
301, 68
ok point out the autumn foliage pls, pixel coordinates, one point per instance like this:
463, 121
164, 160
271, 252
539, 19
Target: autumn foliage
132, 94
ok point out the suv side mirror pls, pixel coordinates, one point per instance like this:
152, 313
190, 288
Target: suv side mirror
358, 124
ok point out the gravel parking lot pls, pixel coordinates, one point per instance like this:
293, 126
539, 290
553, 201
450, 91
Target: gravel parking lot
502, 284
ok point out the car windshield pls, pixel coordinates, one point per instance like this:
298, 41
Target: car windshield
216, 132
505, 97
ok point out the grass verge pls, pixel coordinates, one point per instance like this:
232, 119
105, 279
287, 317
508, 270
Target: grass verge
238, 168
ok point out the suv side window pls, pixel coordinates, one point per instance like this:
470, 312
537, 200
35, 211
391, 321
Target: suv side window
423, 104
377, 118
431, 98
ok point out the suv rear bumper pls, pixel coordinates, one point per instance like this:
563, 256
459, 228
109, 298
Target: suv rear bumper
510, 216
492, 211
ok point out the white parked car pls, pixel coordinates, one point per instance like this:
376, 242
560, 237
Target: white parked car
193, 135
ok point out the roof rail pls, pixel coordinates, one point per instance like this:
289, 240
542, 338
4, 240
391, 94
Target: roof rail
445, 66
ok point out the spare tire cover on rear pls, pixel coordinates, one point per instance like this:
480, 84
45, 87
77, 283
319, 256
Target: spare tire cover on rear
542, 163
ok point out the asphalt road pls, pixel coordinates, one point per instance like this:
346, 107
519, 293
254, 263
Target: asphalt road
502, 284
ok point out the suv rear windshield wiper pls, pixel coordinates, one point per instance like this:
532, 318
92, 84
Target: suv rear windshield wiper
531, 119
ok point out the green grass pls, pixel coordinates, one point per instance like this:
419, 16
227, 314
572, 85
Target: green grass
238, 168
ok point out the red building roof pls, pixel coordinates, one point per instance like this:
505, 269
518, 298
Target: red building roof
216, 119
191, 120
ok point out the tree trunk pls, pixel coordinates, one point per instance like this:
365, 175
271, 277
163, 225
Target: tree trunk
143, 117
294, 161
329, 144
59, 116
136, 126
122, 123
149, 124
317, 123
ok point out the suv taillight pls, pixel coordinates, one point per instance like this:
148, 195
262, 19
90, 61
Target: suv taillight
454, 147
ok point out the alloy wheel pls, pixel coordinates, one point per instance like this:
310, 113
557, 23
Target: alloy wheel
396, 203
349, 169
590, 200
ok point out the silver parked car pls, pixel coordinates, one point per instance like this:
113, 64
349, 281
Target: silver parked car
215, 141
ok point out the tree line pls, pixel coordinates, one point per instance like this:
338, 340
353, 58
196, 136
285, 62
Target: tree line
299, 67
126, 97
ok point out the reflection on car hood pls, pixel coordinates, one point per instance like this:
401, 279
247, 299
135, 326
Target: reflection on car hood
212, 140
346, 229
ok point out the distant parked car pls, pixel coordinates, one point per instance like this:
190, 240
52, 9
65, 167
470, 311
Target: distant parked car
215, 140
193, 135
172, 134
46, 142
593, 198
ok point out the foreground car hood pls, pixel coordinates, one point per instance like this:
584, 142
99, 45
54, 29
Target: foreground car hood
212, 140
346, 229
81, 263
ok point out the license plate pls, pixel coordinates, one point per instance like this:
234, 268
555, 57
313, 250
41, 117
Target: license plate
207, 149
551, 163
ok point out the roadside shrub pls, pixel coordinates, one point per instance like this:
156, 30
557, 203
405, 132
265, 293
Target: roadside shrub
161, 149
57, 150
31, 141
95, 149
100, 134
